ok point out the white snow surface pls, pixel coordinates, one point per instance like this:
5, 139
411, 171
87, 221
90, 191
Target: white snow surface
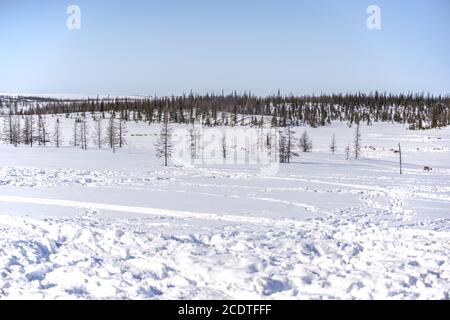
96, 225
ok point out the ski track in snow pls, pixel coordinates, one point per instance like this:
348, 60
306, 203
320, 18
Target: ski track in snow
373, 250
147, 211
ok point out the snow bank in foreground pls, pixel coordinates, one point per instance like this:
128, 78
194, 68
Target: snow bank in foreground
90, 256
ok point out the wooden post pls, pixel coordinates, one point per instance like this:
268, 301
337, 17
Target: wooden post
400, 154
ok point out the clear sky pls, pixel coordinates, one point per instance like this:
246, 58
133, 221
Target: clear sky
127, 47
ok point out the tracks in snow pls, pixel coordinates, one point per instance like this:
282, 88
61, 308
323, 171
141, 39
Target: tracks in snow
151, 211
357, 252
92, 256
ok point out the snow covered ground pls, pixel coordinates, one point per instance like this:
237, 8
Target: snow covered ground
93, 224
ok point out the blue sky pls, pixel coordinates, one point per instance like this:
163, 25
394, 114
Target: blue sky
174, 46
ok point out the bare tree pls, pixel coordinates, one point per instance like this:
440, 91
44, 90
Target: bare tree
42, 130
7, 134
333, 144
282, 149
26, 134
28, 131
32, 130
357, 142
10, 126
305, 142
286, 145
290, 153
163, 146
224, 146
11, 129
84, 134
57, 134
112, 133
122, 131
193, 142
98, 137
347, 152
269, 144
16, 133
76, 133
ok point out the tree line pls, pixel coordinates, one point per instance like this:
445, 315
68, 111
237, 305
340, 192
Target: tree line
418, 111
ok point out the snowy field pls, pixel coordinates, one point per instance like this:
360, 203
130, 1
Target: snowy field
97, 225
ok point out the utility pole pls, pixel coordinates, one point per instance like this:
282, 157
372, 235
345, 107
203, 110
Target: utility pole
400, 155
